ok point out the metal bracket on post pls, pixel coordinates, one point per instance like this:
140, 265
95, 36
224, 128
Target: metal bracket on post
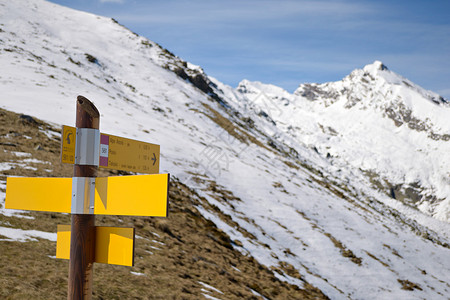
87, 147
83, 195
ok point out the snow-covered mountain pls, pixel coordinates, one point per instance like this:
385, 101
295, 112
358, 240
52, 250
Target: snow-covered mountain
373, 120
342, 185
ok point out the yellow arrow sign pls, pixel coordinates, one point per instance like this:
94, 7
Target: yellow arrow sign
139, 195
115, 152
128, 155
113, 245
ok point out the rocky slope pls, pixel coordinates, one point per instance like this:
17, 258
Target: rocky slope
303, 187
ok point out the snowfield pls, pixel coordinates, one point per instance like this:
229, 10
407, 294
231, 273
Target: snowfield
347, 182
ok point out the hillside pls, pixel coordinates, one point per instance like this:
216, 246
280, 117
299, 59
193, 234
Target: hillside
175, 258
275, 195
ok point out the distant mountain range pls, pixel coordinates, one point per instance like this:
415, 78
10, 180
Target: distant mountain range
374, 120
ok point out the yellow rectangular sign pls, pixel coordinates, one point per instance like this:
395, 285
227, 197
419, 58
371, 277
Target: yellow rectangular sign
139, 195
128, 155
113, 245
68, 139
63, 242
115, 152
41, 194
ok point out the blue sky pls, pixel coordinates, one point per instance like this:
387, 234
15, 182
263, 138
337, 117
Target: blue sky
288, 42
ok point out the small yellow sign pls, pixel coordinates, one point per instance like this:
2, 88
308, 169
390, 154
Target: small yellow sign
63, 242
115, 152
113, 245
128, 155
68, 140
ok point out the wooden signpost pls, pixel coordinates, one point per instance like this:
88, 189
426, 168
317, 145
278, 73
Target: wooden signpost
86, 195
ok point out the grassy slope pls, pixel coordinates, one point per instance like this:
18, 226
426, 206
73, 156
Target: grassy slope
174, 254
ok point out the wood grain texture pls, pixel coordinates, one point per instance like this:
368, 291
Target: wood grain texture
82, 251
88, 115
82, 245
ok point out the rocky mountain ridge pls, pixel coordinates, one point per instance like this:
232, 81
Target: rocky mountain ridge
370, 104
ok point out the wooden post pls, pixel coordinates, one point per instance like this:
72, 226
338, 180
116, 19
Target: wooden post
82, 238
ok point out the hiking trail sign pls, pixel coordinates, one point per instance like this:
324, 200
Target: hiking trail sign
86, 195
115, 152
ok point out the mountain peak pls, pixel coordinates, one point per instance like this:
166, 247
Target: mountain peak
376, 66
257, 87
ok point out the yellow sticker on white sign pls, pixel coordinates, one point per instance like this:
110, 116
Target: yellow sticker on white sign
68, 140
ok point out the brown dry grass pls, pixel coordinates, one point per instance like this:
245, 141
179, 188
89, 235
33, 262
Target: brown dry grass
174, 254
